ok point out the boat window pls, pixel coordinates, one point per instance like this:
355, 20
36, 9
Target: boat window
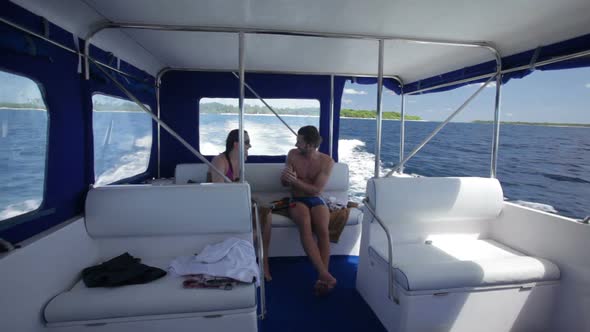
268, 135
122, 139
23, 145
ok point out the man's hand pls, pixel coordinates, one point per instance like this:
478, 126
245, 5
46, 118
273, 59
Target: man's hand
288, 175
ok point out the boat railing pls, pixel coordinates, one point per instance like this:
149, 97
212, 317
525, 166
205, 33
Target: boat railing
391, 291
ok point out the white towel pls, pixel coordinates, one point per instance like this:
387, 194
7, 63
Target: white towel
232, 258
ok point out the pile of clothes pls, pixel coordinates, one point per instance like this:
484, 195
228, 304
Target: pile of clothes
221, 265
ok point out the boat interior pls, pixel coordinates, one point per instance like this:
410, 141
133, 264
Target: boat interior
417, 254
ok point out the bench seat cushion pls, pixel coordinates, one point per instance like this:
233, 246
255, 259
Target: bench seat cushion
160, 297
462, 263
281, 221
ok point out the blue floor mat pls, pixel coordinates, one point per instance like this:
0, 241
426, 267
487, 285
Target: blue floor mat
292, 306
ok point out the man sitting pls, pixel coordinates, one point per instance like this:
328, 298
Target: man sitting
307, 171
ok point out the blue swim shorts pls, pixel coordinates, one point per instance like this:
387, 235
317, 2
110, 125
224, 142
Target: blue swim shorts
309, 201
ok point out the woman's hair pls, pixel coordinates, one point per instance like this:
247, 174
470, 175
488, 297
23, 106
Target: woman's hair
232, 137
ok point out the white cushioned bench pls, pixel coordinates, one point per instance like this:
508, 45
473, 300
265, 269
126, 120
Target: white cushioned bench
264, 180
157, 224
446, 269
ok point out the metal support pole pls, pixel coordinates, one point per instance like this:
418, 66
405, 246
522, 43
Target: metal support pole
440, 126
158, 83
379, 111
402, 130
331, 142
241, 112
266, 104
496, 139
160, 122
260, 262
390, 277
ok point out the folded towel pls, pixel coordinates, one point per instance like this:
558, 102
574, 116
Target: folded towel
233, 258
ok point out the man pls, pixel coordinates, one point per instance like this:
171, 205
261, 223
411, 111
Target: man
307, 171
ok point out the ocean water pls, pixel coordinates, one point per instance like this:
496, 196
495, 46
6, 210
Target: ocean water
547, 168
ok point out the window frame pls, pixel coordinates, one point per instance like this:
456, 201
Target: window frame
41, 210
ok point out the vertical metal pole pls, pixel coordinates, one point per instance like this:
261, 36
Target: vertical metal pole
379, 111
241, 113
402, 130
331, 115
496, 139
159, 117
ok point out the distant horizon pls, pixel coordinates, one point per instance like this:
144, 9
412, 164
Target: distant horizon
552, 124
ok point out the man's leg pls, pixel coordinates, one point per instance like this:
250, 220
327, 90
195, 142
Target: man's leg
320, 219
301, 216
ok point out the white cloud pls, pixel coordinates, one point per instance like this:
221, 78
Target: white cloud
278, 103
347, 101
354, 92
587, 85
509, 114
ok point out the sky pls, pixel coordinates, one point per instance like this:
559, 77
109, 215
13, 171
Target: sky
544, 96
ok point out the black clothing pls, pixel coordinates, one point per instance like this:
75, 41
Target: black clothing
121, 270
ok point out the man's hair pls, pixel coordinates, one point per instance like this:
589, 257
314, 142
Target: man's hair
232, 137
310, 135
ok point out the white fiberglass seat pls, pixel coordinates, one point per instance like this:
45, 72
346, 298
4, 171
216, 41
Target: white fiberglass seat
444, 266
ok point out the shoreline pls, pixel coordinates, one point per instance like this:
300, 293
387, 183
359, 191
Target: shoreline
562, 125
26, 109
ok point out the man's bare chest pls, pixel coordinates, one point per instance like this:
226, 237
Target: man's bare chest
307, 170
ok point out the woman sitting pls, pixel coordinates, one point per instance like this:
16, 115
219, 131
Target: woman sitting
228, 162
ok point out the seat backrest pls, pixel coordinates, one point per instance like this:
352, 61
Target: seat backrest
266, 177
415, 208
197, 173
138, 210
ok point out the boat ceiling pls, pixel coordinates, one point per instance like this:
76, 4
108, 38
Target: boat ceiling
510, 26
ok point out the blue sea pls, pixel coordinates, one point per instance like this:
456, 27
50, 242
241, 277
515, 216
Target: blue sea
543, 167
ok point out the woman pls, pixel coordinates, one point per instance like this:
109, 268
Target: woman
228, 162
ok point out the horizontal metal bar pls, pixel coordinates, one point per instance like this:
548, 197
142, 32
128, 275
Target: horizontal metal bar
34, 34
285, 72
242, 30
288, 32
391, 288
506, 71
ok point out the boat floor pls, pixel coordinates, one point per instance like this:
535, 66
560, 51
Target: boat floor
292, 306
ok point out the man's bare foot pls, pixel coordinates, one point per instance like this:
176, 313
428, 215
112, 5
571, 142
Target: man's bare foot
267, 275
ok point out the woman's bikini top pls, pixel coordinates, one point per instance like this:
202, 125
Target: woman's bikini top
230, 170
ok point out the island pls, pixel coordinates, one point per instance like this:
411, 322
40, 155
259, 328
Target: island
218, 108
